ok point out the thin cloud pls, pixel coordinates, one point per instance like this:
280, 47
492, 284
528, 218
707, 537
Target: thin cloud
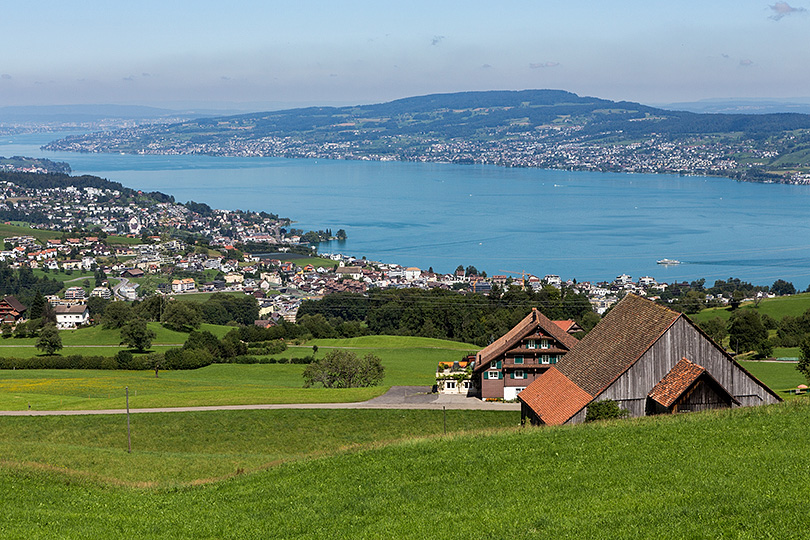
541, 65
436, 40
486, 66
128, 79
5, 76
745, 62
783, 9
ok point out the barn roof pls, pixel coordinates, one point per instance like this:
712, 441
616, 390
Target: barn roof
616, 343
676, 382
679, 379
522, 329
15, 304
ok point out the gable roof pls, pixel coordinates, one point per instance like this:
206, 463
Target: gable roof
554, 397
15, 304
679, 379
616, 343
522, 329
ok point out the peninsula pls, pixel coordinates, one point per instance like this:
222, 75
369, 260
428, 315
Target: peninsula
530, 128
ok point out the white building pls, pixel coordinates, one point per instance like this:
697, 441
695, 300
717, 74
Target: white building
71, 316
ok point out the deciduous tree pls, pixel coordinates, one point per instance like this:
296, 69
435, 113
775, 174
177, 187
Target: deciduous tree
343, 369
49, 340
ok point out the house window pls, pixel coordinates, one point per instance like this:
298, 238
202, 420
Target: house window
520, 374
544, 344
546, 359
518, 359
493, 375
450, 384
531, 344
555, 358
466, 385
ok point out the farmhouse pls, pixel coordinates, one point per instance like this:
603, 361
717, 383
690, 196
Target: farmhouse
650, 360
11, 310
508, 365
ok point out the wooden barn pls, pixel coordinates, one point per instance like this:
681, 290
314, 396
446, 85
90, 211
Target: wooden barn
650, 360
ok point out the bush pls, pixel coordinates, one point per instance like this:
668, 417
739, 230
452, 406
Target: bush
605, 410
187, 359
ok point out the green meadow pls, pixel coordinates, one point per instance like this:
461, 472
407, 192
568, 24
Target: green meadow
777, 308
738, 473
407, 361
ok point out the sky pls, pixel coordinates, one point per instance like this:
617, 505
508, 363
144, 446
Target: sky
250, 54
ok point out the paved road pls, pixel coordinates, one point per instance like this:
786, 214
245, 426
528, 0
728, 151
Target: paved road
398, 397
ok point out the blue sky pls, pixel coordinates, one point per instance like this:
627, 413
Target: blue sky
247, 54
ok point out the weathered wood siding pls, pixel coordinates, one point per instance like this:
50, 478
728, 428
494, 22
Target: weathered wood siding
682, 340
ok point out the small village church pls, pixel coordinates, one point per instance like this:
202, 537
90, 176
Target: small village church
647, 358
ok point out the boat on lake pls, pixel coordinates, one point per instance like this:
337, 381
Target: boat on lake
668, 261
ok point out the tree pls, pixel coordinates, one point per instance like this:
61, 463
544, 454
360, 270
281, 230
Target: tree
49, 341
343, 369
116, 315
37, 305
715, 328
746, 330
804, 358
781, 287
181, 316
137, 335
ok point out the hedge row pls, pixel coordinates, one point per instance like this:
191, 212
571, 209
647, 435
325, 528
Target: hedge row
75, 361
125, 360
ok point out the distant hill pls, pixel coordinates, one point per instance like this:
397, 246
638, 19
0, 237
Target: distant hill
513, 128
742, 106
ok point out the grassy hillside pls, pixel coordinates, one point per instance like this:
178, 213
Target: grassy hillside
7, 229
730, 474
173, 448
777, 308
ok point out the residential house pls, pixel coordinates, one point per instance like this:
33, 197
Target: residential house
650, 360
74, 293
454, 377
101, 292
71, 316
509, 364
11, 310
354, 272
183, 285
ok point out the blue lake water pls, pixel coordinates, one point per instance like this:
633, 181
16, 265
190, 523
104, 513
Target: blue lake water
588, 226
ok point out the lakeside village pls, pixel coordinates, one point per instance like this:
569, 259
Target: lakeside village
199, 249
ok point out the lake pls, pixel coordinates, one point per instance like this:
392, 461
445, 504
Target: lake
582, 225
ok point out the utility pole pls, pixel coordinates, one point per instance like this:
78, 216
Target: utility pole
129, 433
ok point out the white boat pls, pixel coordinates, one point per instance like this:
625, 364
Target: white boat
668, 261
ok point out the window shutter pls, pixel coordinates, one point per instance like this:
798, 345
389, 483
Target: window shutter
512, 375
500, 375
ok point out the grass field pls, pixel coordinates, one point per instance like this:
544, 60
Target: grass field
7, 230
217, 443
778, 376
726, 474
777, 308
407, 361
75, 278
203, 297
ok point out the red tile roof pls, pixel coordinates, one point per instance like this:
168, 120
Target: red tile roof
554, 397
676, 382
